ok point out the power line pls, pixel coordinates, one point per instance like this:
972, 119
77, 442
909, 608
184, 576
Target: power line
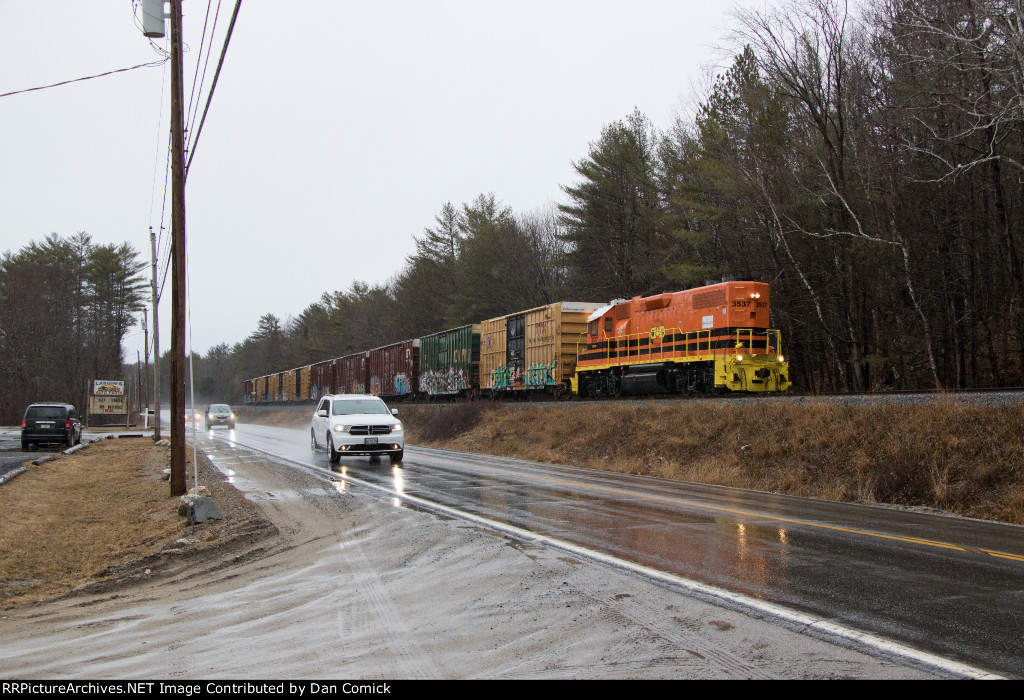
213, 86
199, 60
164, 259
162, 248
156, 158
88, 77
197, 82
165, 249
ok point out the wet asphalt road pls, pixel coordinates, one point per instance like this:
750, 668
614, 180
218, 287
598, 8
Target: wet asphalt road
949, 586
11, 454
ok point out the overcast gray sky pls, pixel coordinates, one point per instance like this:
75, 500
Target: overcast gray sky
337, 130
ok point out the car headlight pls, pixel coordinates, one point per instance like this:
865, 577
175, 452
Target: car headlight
396, 427
342, 428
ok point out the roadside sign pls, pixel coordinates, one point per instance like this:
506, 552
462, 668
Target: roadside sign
106, 387
108, 403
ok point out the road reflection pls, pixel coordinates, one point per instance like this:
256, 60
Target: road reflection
877, 568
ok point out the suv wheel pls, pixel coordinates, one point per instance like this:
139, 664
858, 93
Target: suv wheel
334, 455
396, 456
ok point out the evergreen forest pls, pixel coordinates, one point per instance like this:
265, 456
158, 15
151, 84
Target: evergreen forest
867, 161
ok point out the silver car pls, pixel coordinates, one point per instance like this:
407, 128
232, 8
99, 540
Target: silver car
356, 424
219, 414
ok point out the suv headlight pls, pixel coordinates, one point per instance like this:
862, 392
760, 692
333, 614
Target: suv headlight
395, 427
342, 428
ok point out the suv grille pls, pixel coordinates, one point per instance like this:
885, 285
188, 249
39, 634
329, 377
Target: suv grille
370, 430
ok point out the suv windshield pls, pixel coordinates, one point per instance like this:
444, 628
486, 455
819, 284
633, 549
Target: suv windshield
351, 407
220, 408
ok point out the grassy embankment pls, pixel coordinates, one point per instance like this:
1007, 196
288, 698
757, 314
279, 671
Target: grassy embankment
68, 520
964, 459
104, 517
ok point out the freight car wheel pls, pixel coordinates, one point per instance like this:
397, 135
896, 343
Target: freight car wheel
333, 454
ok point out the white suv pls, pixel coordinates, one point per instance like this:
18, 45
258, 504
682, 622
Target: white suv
356, 424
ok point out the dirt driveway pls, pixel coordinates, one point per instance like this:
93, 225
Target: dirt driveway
322, 581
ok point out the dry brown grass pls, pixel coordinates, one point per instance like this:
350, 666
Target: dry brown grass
959, 458
68, 520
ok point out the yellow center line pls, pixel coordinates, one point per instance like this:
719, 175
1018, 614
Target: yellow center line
604, 489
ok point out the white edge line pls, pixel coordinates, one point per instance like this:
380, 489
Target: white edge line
802, 620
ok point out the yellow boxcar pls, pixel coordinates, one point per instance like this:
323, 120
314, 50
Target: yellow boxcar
288, 392
492, 350
533, 350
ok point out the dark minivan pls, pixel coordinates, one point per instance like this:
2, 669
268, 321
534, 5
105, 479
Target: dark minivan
50, 422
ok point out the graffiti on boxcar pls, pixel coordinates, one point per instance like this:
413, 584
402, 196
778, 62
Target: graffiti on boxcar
503, 377
401, 384
540, 375
500, 378
450, 381
375, 386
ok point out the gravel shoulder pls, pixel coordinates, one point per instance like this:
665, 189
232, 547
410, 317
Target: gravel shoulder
308, 579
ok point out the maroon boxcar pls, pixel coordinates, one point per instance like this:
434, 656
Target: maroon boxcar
322, 378
394, 369
351, 374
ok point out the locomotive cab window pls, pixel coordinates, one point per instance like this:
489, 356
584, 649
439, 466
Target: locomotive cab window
607, 324
592, 328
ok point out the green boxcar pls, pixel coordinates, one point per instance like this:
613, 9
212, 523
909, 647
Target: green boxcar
450, 362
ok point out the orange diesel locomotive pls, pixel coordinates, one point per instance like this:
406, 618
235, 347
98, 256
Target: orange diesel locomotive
709, 339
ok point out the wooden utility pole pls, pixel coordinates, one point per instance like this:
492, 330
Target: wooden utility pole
138, 381
156, 343
177, 257
145, 391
